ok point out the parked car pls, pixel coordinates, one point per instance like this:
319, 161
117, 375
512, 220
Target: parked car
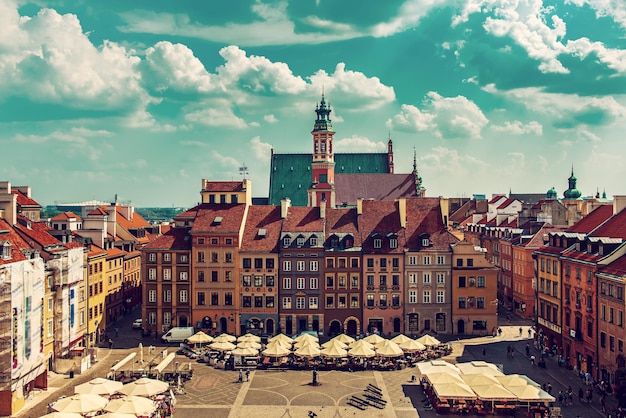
138, 323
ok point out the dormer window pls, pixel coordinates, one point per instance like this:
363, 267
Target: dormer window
287, 241
300, 241
313, 241
393, 242
378, 243
5, 250
425, 242
349, 241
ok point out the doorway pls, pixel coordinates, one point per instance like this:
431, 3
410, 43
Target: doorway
460, 327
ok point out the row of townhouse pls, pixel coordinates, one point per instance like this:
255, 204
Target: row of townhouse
382, 266
568, 278
62, 283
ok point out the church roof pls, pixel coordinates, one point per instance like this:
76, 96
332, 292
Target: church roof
383, 186
290, 174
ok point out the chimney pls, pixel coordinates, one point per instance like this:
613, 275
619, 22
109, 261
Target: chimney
8, 203
402, 211
359, 206
284, 207
619, 203
323, 209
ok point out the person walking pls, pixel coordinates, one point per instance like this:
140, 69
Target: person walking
240, 377
602, 403
532, 360
581, 395
247, 375
520, 331
110, 344
527, 350
117, 331
484, 352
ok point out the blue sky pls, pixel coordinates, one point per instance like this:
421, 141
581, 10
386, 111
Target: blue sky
143, 99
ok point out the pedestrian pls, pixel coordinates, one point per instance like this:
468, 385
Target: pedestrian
602, 405
110, 344
532, 360
484, 352
581, 395
589, 395
560, 397
549, 388
527, 350
117, 331
530, 333
520, 331
247, 375
500, 331
240, 377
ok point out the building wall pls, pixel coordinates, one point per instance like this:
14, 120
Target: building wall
343, 284
113, 284
258, 300
611, 333
382, 293
549, 307
96, 297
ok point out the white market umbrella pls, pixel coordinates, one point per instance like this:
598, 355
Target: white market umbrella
249, 337
493, 392
388, 349
225, 338
99, 386
479, 379
245, 351
428, 340
62, 415
132, 405
302, 343
401, 338
361, 343
144, 387
249, 344
454, 391
479, 367
117, 415
344, 338
361, 351
82, 403
511, 380
412, 346
199, 338
222, 345
334, 343
282, 338
334, 351
276, 350
308, 350
443, 378
373, 339
437, 366
305, 336
530, 393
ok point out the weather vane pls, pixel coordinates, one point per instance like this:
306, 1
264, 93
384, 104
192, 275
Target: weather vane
243, 170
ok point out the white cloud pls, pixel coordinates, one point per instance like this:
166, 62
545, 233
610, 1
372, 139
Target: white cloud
603, 8
262, 150
359, 144
270, 118
174, 66
215, 115
360, 91
141, 163
50, 60
446, 117
580, 134
409, 15
75, 142
225, 161
519, 128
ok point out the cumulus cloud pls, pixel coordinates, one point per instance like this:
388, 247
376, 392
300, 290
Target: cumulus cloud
76, 142
48, 59
174, 66
603, 8
359, 144
262, 150
214, 115
519, 128
446, 117
270, 118
225, 161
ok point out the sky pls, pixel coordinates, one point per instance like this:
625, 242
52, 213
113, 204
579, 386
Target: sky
143, 99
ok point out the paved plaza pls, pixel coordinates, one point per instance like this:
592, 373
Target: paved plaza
271, 393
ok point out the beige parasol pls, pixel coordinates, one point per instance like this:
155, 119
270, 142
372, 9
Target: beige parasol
117, 415
62, 415
132, 405
99, 386
373, 339
530, 393
400, 339
249, 337
308, 350
362, 350
334, 343
82, 403
199, 338
245, 351
479, 367
281, 337
225, 338
344, 338
437, 366
306, 336
249, 344
428, 340
479, 379
222, 345
493, 392
276, 350
302, 343
334, 351
412, 346
388, 348
454, 391
443, 377
512, 380
361, 343
144, 387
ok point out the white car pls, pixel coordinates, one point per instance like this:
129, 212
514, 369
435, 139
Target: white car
138, 323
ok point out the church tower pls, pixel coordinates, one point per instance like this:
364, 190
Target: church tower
322, 189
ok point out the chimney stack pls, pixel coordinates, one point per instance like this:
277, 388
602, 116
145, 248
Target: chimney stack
284, 207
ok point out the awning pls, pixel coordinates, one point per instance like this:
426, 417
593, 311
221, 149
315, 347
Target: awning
163, 364
122, 362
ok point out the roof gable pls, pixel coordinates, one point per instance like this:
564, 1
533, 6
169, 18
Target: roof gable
592, 220
262, 230
382, 186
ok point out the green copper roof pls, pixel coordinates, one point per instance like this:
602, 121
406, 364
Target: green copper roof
290, 174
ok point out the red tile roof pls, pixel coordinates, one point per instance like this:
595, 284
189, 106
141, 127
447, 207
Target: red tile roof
65, 216
496, 198
537, 240
384, 186
115, 252
508, 202
262, 218
303, 219
616, 268
98, 211
16, 241
592, 220
136, 222
207, 213
423, 217
224, 186
614, 227
24, 200
38, 232
94, 250
381, 217
174, 239
343, 220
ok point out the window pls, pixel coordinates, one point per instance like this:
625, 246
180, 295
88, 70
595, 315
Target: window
555, 268
462, 282
313, 302
167, 318
167, 274
201, 299
167, 296
480, 282
300, 283
152, 257
152, 296
330, 282
228, 299
313, 283
441, 278
246, 301
287, 265
426, 260
300, 265
425, 242
269, 301
200, 256
426, 278
314, 265
459, 262
269, 281
214, 257
269, 263
258, 280
393, 242
603, 340
395, 300
258, 301
370, 300
370, 263
167, 257
151, 274
343, 282
300, 241
383, 263
412, 296
258, 263
228, 241
342, 301
214, 277
215, 298
184, 275
480, 302
228, 257
214, 241
354, 282
382, 300
228, 276
378, 242
246, 281
441, 296
152, 318
395, 280
412, 260
342, 263
354, 301
286, 302
183, 296
287, 283
412, 278
201, 241
462, 302
589, 329
354, 263
200, 276
426, 296
313, 241
247, 263
330, 301
470, 262
441, 259
612, 343
383, 281
370, 280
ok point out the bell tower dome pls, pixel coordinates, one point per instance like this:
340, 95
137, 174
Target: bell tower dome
322, 189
